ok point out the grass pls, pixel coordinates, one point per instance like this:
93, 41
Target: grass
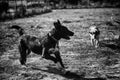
83, 60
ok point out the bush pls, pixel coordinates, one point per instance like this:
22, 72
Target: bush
23, 12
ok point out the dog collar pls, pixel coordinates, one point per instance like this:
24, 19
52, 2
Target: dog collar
52, 37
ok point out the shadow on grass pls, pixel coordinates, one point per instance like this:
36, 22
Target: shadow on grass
67, 21
69, 75
112, 44
111, 58
109, 52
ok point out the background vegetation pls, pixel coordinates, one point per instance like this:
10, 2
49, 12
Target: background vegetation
83, 3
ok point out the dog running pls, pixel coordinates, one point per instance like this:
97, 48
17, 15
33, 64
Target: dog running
45, 46
94, 34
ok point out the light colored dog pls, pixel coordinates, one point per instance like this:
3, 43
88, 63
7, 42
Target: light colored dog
94, 34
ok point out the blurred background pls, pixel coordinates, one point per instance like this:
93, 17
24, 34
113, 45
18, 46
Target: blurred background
10, 9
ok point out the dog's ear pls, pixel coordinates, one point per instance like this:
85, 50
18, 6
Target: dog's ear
57, 24
58, 21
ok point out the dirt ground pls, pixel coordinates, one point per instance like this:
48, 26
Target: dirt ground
82, 60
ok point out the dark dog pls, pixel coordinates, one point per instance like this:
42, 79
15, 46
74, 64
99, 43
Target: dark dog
44, 46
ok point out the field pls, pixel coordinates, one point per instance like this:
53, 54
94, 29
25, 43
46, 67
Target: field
82, 60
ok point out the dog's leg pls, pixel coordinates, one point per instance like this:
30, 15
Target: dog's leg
49, 57
56, 52
43, 52
92, 42
23, 54
92, 39
97, 42
28, 52
55, 59
59, 59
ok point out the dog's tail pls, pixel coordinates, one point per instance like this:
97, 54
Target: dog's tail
18, 28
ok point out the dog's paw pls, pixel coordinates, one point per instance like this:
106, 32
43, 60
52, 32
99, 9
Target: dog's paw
42, 57
63, 71
23, 66
96, 46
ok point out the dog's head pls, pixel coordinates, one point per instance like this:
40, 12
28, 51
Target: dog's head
94, 31
62, 31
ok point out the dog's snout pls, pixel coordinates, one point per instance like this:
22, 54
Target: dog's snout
72, 33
